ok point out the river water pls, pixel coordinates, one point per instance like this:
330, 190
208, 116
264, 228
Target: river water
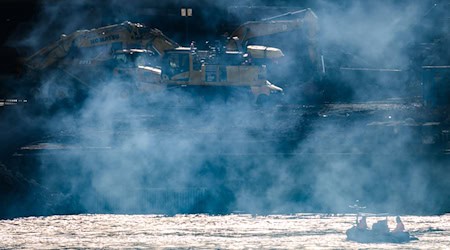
235, 231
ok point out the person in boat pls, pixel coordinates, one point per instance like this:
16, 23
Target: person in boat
400, 227
362, 223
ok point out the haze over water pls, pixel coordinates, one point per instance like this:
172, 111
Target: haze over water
199, 231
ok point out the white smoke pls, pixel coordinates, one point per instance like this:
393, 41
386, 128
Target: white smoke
123, 155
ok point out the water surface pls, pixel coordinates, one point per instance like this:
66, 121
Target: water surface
236, 231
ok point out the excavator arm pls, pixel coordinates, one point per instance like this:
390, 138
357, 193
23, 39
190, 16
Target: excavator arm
305, 20
100, 44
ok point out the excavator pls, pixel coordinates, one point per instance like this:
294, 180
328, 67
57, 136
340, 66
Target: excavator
146, 60
244, 60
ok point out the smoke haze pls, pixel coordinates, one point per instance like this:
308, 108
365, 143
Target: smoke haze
121, 155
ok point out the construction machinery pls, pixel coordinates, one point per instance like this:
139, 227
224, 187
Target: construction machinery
245, 57
145, 60
153, 62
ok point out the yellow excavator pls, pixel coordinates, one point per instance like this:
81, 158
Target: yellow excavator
146, 60
240, 62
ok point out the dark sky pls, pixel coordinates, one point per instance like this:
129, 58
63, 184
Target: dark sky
165, 14
18, 18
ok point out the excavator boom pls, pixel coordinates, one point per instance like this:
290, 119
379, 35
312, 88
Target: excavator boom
304, 19
101, 43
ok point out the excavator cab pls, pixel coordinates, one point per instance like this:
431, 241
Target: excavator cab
176, 62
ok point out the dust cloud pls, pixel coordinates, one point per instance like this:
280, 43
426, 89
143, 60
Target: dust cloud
169, 156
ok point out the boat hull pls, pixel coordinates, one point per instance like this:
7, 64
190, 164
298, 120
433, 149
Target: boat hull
370, 236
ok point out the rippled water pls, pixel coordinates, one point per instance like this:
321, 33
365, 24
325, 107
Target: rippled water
238, 231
